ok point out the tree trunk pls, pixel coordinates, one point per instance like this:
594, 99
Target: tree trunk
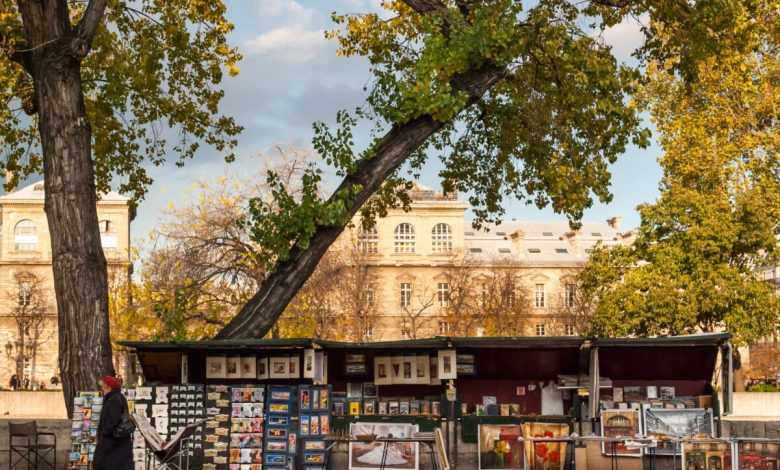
80, 278
261, 312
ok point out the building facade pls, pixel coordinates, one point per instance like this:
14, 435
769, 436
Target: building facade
428, 271
28, 308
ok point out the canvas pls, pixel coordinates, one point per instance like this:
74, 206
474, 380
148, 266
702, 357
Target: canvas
620, 423
368, 455
545, 455
685, 422
498, 447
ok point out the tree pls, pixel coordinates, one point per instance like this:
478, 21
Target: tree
504, 301
518, 103
415, 305
127, 67
693, 265
462, 313
32, 314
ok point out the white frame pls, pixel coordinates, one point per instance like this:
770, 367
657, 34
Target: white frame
423, 364
309, 366
396, 364
294, 367
219, 372
278, 360
248, 367
236, 361
433, 367
450, 354
262, 372
412, 361
387, 362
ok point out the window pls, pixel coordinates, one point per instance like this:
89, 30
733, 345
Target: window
25, 236
444, 327
568, 330
404, 238
569, 295
406, 294
368, 295
441, 238
508, 295
540, 330
107, 235
368, 332
539, 296
534, 250
443, 292
483, 293
368, 241
25, 294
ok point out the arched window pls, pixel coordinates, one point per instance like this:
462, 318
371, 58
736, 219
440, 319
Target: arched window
404, 238
25, 236
108, 235
441, 238
368, 241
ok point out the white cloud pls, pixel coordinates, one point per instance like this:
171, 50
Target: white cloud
289, 8
625, 37
290, 44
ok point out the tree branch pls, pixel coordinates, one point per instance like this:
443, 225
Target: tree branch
265, 307
87, 27
612, 3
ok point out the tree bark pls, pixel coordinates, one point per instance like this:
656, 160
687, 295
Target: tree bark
54, 53
264, 308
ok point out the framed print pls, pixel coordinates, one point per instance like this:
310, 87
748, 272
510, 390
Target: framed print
465, 364
756, 455
409, 370
304, 402
294, 368
382, 365
617, 394
262, 367
666, 422
652, 392
280, 394
395, 369
233, 367
248, 367
355, 358
498, 447
446, 362
277, 433
278, 367
278, 420
433, 368
324, 399
354, 390
320, 367
423, 369
314, 445
382, 409
313, 458
369, 390
279, 408
358, 368
620, 423
308, 363
325, 425
304, 428
275, 459
276, 446
667, 393
216, 367
545, 455
398, 455
369, 407
354, 408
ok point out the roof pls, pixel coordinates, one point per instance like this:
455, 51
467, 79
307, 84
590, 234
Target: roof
438, 342
537, 242
35, 192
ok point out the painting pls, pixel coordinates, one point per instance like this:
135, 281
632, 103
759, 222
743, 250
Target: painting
545, 455
368, 455
686, 422
499, 447
382, 365
262, 367
278, 367
248, 367
707, 456
620, 423
234, 367
446, 362
758, 455
294, 367
216, 367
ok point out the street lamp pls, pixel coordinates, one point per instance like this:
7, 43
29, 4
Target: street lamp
9, 347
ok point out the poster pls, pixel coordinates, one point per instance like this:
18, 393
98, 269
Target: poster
368, 455
686, 422
620, 423
499, 447
545, 455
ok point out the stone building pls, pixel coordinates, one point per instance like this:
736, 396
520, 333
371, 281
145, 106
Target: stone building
26, 279
429, 268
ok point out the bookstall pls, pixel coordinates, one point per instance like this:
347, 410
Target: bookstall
278, 402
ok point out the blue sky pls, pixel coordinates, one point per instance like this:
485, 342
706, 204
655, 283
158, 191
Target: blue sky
290, 77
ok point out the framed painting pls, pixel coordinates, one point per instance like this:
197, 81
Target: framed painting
545, 455
216, 367
382, 365
248, 367
447, 364
279, 367
233, 367
498, 447
308, 363
620, 423
667, 422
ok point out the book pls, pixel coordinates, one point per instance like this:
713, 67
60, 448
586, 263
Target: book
414, 407
393, 407
403, 408
504, 409
436, 408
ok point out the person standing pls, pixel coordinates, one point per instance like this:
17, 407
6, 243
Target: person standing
112, 453
14, 383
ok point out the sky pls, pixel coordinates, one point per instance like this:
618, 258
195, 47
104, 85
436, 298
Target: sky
291, 77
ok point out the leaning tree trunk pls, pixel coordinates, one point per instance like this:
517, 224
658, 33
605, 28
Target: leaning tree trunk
55, 49
261, 312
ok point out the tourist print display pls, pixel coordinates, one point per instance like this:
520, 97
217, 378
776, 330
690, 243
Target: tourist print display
368, 455
499, 448
280, 438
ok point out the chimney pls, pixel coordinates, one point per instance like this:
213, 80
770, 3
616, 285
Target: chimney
518, 239
615, 222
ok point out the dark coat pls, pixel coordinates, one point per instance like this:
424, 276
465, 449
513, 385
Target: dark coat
112, 453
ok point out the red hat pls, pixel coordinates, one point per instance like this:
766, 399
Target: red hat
111, 382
